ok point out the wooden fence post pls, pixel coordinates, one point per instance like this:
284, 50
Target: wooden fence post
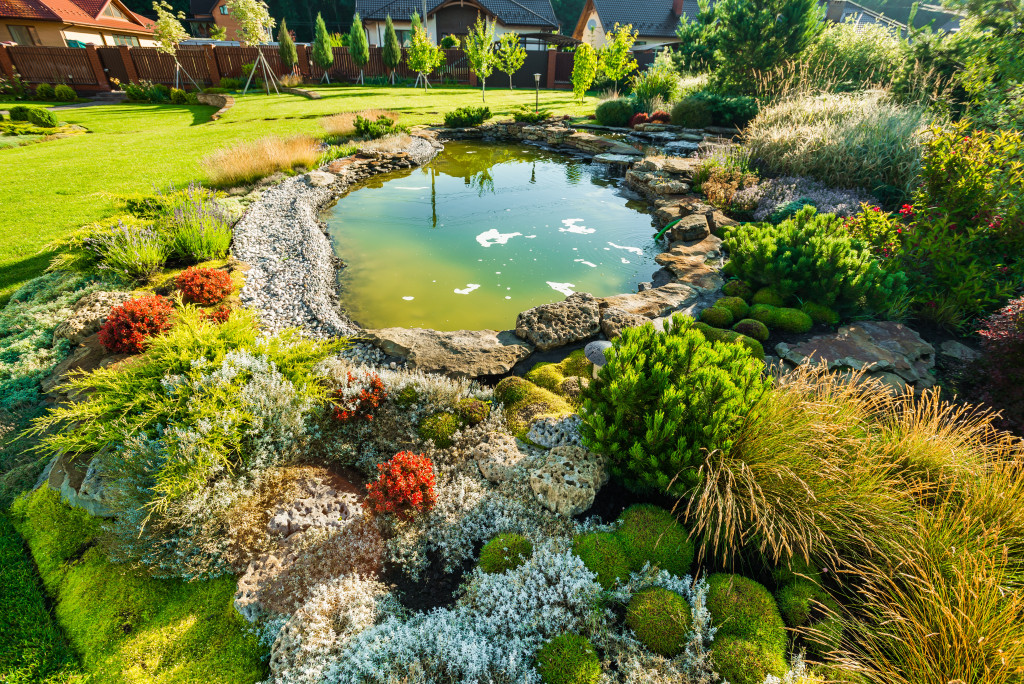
129, 64
97, 68
211, 63
302, 56
6, 65
552, 57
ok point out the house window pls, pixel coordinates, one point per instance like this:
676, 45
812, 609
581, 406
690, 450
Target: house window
126, 40
223, 9
114, 13
22, 35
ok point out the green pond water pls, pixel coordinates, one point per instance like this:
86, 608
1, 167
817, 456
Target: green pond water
483, 232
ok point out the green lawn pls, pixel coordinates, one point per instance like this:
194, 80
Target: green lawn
51, 188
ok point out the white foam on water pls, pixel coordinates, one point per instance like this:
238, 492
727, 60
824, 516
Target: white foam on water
529, 237
564, 288
408, 299
585, 263
625, 260
469, 288
493, 237
571, 227
634, 250
508, 298
411, 187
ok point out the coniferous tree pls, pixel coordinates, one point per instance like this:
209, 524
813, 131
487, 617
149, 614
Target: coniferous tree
323, 55
358, 47
286, 48
392, 54
416, 22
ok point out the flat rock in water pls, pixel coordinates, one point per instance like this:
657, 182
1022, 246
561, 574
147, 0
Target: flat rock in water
655, 302
616, 159
458, 353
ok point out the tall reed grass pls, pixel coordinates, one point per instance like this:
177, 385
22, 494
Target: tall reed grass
862, 140
246, 162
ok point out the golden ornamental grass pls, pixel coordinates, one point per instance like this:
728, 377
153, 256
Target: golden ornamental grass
344, 124
246, 162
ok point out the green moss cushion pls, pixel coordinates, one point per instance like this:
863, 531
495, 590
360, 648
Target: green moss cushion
661, 620
568, 659
752, 328
717, 316
652, 535
738, 288
743, 608
804, 604
504, 552
603, 554
791, 321
742, 661
473, 411
736, 305
440, 427
766, 295
822, 315
718, 335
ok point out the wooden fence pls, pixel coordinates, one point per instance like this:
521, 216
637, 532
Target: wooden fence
94, 68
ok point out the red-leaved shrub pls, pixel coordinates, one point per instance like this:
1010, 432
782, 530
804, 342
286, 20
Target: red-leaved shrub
660, 116
203, 285
405, 486
129, 326
358, 396
1002, 341
218, 315
638, 118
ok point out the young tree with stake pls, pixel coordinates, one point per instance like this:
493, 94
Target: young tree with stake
392, 53
584, 70
423, 55
479, 52
358, 46
323, 54
286, 48
510, 55
616, 60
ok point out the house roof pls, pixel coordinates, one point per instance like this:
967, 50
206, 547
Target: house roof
508, 12
79, 12
654, 18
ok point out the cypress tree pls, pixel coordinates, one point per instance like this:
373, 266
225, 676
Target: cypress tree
415, 19
358, 46
323, 55
392, 54
286, 47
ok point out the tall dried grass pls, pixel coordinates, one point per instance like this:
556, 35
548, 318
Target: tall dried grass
918, 503
343, 125
248, 161
863, 140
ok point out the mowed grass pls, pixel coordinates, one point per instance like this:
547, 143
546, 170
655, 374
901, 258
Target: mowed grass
52, 188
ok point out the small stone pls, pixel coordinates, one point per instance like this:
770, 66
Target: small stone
320, 179
958, 351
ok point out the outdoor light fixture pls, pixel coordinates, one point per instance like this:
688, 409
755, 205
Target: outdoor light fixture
536, 81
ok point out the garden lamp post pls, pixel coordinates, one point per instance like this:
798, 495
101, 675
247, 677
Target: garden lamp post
536, 83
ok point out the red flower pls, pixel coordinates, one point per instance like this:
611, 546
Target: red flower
404, 487
907, 210
130, 325
358, 397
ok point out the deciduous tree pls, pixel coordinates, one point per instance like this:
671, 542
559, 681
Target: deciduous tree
616, 60
479, 51
509, 55
584, 70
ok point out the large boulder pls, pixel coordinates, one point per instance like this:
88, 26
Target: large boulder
458, 353
88, 316
890, 351
88, 356
555, 325
81, 482
614, 320
568, 479
496, 455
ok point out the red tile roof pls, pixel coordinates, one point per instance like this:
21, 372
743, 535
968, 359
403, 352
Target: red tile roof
80, 12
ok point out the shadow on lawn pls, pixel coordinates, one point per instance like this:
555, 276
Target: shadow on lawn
17, 273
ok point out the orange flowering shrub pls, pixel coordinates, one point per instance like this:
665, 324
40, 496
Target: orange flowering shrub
131, 324
404, 487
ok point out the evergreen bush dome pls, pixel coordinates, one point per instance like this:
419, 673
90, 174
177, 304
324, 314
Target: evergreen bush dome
662, 401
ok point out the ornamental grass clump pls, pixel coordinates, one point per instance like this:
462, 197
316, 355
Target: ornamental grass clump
812, 257
404, 486
247, 162
663, 401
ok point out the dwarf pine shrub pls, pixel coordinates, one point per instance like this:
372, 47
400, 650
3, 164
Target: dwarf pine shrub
664, 400
812, 257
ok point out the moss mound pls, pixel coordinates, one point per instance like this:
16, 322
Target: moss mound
126, 625
553, 376
820, 314
766, 295
743, 608
752, 328
407, 397
763, 312
651, 535
440, 427
525, 402
719, 335
804, 604
791, 321
604, 555
738, 288
568, 659
735, 305
504, 552
661, 620
717, 316
742, 661
472, 411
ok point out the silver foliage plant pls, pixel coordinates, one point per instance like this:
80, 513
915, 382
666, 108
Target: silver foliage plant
776, 192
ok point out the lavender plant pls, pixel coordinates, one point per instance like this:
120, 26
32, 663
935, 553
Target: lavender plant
199, 229
133, 253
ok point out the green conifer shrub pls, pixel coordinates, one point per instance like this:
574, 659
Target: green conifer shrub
717, 316
614, 112
392, 53
44, 91
604, 555
661, 620
44, 118
323, 54
663, 400
504, 552
64, 93
650, 534
752, 328
286, 47
812, 257
568, 659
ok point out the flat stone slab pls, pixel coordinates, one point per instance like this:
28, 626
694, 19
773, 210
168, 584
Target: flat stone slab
618, 159
457, 354
653, 303
687, 262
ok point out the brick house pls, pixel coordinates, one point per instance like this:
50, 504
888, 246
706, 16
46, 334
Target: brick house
205, 14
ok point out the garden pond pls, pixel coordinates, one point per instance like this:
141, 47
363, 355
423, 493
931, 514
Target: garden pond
483, 232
